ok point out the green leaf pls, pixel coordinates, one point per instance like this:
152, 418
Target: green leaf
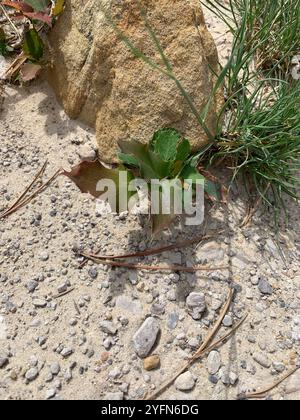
183, 150
165, 142
213, 190
33, 45
190, 172
38, 5
128, 160
150, 164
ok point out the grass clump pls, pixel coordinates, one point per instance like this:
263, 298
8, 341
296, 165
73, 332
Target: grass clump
261, 134
272, 30
259, 125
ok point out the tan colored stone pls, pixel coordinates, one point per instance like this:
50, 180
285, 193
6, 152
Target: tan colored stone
99, 81
151, 362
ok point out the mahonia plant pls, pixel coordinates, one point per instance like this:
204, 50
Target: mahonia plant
167, 156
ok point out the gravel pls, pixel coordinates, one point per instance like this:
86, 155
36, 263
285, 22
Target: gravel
264, 287
88, 344
185, 382
196, 305
145, 337
213, 362
108, 327
32, 374
55, 368
262, 360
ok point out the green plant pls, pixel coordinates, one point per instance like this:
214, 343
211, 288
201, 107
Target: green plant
37, 16
271, 29
166, 157
261, 135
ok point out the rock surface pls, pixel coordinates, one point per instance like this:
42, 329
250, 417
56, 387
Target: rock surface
185, 382
196, 304
213, 362
98, 80
145, 337
152, 362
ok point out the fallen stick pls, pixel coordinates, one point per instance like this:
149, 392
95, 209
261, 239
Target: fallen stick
224, 338
11, 22
263, 393
204, 348
15, 66
217, 325
154, 267
36, 178
76, 307
153, 251
32, 196
59, 295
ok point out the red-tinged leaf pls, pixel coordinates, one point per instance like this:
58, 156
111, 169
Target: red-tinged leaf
43, 17
29, 71
18, 5
87, 175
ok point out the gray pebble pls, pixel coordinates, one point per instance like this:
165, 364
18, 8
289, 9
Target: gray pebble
108, 327
196, 305
32, 374
66, 352
93, 273
227, 321
62, 287
32, 285
39, 303
50, 393
55, 368
213, 362
44, 256
114, 396
145, 337
185, 382
172, 321
264, 287
262, 360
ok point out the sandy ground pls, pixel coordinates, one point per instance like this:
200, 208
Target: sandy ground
58, 348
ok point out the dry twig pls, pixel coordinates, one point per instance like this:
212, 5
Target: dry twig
15, 66
36, 178
264, 392
154, 267
23, 200
11, 22
148, 252
205, 347
59, 295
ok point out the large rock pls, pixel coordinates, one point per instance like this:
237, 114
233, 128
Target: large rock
99, 81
